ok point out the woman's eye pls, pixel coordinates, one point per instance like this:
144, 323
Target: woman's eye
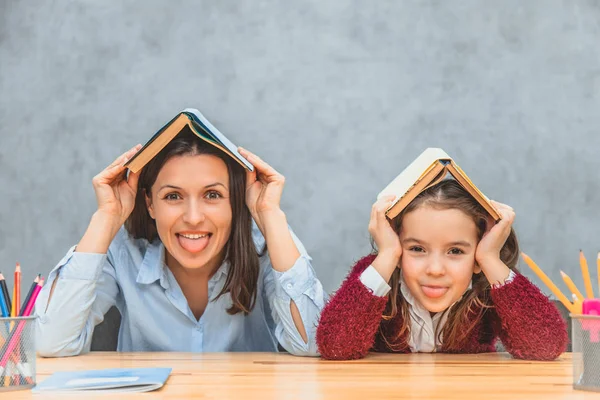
213, 195
418, 249
172, 196
456, 251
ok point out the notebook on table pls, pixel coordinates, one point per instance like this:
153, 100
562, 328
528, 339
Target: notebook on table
105, 380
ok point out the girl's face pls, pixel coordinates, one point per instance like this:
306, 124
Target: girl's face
190, 204
438, 255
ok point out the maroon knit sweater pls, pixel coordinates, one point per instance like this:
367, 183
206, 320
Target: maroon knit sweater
527, 323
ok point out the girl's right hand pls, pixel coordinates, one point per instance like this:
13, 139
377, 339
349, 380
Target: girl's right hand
386, 239
114, 194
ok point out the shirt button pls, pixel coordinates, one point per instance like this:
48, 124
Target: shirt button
289, 286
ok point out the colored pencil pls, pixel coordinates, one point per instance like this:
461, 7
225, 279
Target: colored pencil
5, 292
31, 289
15, 334
548, 282
17, 284
585, 272
571, 285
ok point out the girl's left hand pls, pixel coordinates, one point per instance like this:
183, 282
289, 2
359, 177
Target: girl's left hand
263, 188
488, 249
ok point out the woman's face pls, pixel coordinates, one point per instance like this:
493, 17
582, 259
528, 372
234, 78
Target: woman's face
190, 202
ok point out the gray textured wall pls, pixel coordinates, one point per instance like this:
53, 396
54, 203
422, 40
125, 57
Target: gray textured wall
338, 95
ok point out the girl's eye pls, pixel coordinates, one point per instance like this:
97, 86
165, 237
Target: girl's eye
212, 195
418, 249
172, 196
456, 251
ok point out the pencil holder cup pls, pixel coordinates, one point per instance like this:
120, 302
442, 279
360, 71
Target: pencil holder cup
17, 353
585, 338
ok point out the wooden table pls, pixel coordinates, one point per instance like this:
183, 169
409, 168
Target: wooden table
379, 376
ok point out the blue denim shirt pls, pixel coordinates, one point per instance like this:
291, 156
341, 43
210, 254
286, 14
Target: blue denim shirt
155, 314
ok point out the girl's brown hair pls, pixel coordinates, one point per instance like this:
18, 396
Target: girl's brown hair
241, 281
449, 194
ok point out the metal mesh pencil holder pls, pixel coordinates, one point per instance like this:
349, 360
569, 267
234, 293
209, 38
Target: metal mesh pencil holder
17, 353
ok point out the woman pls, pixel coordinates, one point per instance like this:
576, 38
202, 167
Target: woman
189, 270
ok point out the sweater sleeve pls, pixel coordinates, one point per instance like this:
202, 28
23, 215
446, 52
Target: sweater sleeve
349, 321
530, 326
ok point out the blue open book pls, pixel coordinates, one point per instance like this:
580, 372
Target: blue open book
106, 380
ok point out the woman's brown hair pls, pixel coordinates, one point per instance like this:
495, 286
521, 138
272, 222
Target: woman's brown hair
241, 281
449, 194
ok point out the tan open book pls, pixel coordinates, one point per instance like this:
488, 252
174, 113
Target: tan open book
192, 119
425, 171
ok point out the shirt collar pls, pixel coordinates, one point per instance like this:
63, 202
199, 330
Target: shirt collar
153, 265
222, 271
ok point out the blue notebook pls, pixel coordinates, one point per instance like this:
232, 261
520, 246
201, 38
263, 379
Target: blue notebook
106, 380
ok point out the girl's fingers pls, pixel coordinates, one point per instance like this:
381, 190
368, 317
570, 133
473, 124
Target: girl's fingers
501, 206
384, 203
380, 206
502, 228
508, 216
506, 212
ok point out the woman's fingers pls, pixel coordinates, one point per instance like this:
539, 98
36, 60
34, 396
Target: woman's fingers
114, 172
123, 158
132, 181
262, 168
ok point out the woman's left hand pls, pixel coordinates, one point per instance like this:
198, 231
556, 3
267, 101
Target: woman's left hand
264, 187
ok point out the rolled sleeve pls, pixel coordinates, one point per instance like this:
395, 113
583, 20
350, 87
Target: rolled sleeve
83, 266
511, 277
296, 281
374, 282
300, 285
84, 289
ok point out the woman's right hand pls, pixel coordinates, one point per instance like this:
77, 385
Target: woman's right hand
116, 195
389, 249
116, 198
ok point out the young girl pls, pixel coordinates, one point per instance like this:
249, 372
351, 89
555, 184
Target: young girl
189, 271
440, 282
